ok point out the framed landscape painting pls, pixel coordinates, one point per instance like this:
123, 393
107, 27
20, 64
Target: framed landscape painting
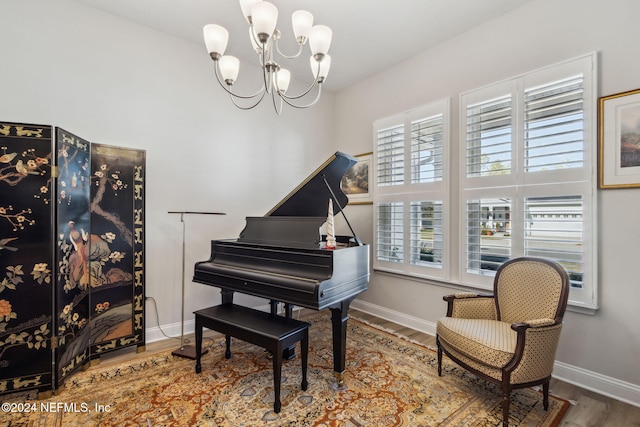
619, 140
355, 182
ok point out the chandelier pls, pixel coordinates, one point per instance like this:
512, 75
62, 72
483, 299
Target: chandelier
262, 18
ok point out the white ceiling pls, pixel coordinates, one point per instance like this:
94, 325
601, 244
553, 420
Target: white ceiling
368, 35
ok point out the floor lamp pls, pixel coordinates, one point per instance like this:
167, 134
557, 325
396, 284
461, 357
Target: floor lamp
187, 351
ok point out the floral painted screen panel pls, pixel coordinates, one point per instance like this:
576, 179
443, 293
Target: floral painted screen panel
26, 257
73, 233
116, 248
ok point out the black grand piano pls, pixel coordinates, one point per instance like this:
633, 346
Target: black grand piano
282, 256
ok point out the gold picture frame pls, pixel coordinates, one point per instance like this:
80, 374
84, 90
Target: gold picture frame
356, 181
619, 140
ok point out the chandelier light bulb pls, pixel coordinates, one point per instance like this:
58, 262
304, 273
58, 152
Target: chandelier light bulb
320, 69
246, 6
283, 77
216, 39
302, 22
320, 40
229, 68
265, 17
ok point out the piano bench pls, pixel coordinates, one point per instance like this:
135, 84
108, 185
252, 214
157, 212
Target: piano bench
271, 332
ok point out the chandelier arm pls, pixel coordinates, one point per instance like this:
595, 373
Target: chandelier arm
257, 42
242, 107
294, 56
266, 56
275, 104
286, 99
224, 86
316, 82
306, 92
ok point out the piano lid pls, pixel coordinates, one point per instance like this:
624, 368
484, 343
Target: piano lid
312, 196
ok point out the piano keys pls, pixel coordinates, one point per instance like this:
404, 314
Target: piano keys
281, 256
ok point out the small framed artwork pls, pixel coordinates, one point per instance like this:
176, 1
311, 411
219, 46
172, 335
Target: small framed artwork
355, 182
619, 140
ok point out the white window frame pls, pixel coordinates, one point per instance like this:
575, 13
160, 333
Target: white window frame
519, 185
406, 193
457, 189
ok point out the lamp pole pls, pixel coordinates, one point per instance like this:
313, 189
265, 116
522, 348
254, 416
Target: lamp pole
187, 351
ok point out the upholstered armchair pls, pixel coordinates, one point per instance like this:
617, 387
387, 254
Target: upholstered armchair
509, 337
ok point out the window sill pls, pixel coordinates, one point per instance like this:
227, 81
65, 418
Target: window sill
573, 306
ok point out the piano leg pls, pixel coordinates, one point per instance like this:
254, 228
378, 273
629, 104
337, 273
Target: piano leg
287, 353
227, 296
339, 317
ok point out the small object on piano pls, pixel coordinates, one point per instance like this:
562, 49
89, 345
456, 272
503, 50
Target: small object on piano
331, 233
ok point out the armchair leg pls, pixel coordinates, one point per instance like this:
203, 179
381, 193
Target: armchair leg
439, 359
506, 400
545, 396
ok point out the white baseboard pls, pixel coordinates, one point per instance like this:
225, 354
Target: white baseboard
172, 330
611, 387
598, 383
396, 317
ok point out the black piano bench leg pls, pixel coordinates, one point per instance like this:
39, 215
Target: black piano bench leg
198, 345
277, 379
304, 349
227, 352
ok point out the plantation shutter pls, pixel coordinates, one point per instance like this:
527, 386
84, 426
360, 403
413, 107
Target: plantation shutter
426, 233
426, 150
554, 123
489, 137
390, 232
390, 156
488, 234
554, 229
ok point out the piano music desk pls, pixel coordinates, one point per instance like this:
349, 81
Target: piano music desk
271, 332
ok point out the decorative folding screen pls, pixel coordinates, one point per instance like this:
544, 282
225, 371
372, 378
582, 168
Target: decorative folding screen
72, 290
71, 254
26, 257
117, 247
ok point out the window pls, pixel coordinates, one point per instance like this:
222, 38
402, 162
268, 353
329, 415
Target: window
527, 181
411, 197
523, 182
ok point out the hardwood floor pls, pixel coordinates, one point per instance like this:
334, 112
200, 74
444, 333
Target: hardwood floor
589, 409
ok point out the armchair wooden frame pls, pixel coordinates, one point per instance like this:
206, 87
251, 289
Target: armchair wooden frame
487, 306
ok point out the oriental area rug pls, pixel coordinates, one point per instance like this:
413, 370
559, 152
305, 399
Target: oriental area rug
390, 381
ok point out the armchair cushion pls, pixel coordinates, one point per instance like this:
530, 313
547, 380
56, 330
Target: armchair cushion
490, 342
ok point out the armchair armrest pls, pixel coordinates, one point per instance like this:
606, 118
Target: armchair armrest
535, 350
469, 305
534, 323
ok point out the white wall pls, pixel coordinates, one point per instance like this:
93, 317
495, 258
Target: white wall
114, 82
600, 350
